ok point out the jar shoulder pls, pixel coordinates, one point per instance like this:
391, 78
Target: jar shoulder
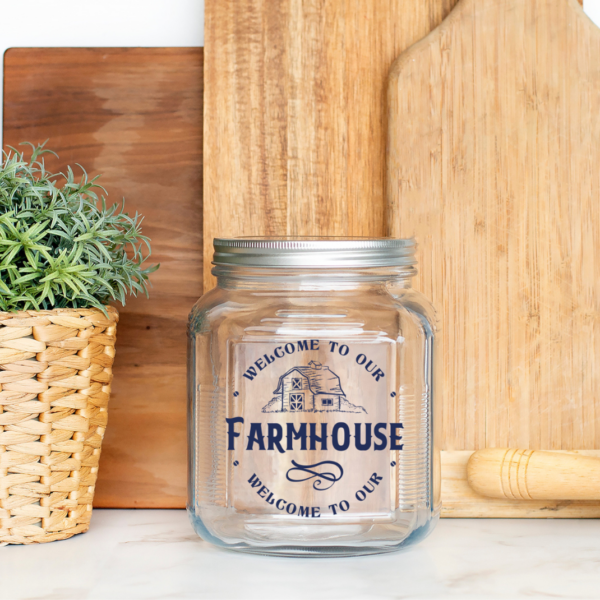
244, 308
205, 309
416, 303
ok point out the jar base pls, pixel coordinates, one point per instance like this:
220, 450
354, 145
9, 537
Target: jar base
316, 551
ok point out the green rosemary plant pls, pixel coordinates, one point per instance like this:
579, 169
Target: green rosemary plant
60, 246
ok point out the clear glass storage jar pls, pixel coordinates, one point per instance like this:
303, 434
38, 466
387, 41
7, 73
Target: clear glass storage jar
311, 399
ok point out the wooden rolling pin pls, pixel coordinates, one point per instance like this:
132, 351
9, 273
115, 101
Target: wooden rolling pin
514, 474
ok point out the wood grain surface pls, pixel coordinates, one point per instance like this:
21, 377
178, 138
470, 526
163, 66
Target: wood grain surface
461, 501
521, 474
295, 113
493, 154
134, 115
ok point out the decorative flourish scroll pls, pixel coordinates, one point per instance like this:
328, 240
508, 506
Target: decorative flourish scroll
305, 472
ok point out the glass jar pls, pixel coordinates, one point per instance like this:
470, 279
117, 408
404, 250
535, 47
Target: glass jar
311, 399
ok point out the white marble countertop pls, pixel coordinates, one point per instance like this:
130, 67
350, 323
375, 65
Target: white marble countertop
148, 554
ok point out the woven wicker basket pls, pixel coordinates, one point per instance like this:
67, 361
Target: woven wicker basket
55, 375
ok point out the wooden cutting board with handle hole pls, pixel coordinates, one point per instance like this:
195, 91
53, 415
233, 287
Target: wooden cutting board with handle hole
493, 165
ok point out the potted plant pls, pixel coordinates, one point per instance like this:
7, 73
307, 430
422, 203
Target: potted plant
63, 257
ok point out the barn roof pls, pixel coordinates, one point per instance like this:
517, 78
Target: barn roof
320, 381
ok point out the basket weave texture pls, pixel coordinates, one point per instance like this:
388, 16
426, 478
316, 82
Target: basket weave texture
55, 376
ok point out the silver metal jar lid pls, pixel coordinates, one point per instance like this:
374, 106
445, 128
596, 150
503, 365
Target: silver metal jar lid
299, 252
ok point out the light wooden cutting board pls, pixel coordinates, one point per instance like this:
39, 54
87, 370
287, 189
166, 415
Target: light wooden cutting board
294, 119
134, 115
494, 166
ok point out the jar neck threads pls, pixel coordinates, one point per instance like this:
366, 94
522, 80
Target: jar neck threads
312, 279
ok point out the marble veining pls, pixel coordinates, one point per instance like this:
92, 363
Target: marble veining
154, 554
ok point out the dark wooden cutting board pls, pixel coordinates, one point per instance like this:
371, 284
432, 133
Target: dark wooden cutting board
134, 115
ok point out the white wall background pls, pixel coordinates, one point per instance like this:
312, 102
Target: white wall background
592, 8
90, 23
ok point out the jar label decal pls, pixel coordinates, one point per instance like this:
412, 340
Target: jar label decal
312, 428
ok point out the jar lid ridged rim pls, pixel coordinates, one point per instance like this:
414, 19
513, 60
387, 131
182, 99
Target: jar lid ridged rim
311, 252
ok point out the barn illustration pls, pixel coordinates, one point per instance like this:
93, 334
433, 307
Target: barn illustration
314, 388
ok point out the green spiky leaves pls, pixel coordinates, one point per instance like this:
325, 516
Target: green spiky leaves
60, 246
